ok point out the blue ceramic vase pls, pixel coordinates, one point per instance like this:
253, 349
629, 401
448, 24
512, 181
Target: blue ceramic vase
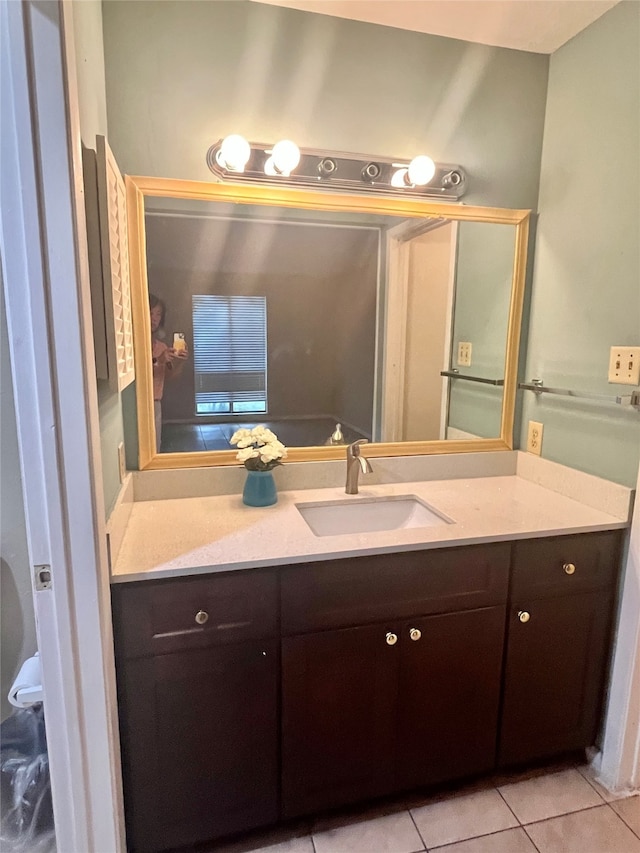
259, 489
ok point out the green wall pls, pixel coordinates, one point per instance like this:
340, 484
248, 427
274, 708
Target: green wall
87, 26
181, 75
484, 276
586, 284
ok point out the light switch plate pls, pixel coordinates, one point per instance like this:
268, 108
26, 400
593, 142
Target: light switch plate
122, 465
534, 438
464, 354
624, 365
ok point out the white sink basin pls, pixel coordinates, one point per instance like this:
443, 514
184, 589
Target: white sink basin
369, 515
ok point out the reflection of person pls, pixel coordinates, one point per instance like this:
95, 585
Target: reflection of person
168, 363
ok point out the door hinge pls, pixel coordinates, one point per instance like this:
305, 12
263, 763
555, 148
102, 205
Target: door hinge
43, 577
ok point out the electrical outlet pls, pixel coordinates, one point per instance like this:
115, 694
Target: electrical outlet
624, 365
464, 354
534, 438
122, 465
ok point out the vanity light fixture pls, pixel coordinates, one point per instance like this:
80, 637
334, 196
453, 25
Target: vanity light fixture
400, 178
233, 153
421, 170
234, 158
283, 159
418, 173
327, 166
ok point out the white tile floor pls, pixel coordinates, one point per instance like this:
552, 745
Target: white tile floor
561, 811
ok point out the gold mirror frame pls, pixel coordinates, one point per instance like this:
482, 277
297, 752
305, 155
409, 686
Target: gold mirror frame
140, 187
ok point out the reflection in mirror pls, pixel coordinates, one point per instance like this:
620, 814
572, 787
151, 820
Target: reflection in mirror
304, 310
279, 316
303, 320
484, 272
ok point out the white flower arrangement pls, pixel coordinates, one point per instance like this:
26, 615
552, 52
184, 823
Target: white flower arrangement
258, 448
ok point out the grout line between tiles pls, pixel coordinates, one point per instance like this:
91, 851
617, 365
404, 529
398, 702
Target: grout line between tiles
480, 835
420, 835
531, 839
443, 847
565, 814
473, 837
423, 849
507, 805
590, 808
622, 818
591, 783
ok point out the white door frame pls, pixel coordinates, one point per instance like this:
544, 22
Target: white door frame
447, 357
45, 275
618, 765
395, 314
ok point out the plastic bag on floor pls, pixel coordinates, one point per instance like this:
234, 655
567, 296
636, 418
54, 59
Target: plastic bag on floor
26, 819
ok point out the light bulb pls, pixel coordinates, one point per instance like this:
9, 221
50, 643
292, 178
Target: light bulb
285, 156
270, 168
399, 179
234, 153
421, 170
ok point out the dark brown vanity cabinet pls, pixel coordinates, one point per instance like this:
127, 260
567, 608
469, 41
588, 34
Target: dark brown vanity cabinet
561, 612
372, 709
339, 707
250, 696
450, 691
367, 711
198, 683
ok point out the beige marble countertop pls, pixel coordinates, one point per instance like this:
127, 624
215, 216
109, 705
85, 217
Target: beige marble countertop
186, 536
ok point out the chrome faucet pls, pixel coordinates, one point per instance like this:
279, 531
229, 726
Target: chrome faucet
355, 464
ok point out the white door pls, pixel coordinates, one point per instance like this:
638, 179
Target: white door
47, 297
419, 303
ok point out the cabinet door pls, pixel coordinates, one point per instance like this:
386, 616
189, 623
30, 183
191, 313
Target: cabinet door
339, 694
557, 653
199, 737
449, 695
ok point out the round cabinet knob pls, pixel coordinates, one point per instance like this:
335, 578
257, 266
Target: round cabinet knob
201, 617
415, 634
392, 639
523, 616
569, 568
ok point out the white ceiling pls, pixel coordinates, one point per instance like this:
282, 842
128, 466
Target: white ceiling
540, 26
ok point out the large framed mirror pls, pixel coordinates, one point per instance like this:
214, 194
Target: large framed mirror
396, 318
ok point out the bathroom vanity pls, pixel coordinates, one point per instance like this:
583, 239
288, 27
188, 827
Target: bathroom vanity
276, 662
250, 695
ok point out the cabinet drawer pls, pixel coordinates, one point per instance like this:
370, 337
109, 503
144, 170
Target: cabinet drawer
388, 586
157, 617
565, 564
